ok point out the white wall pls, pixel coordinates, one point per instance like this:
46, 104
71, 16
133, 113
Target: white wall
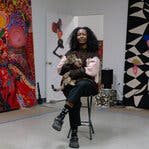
40, 9
115, 22
94, 22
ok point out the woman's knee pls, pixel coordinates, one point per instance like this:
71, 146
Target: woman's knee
87, 88
83, 83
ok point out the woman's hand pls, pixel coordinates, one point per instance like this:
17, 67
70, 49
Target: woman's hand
78, 63
66, 75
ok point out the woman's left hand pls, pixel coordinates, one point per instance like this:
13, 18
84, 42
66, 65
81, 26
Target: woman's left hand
66, 75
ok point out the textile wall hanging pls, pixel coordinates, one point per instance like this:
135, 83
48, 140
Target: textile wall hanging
136, 76
17, 73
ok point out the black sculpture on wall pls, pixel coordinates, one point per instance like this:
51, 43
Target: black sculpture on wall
59, 45
57, 28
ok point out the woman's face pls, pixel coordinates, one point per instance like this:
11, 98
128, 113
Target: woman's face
82, 36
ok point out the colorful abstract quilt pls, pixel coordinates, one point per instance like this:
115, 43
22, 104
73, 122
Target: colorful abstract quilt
17, 72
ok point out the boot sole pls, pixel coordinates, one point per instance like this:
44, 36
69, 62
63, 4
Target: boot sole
56, 128
74, 146
57, 125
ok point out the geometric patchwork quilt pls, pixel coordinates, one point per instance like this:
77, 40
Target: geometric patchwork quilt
136, 75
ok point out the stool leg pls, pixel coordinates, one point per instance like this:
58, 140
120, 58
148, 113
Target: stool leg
90, 115
89, 104
69, 133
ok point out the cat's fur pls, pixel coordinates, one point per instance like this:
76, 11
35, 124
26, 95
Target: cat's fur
66, 79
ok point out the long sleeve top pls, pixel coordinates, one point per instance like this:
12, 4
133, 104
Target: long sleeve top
90, 69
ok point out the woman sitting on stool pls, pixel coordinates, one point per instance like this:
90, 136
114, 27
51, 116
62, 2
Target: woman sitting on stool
83, 44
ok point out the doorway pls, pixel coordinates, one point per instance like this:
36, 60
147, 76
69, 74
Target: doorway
95, 22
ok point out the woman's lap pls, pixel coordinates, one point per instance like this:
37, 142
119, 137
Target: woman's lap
82, 88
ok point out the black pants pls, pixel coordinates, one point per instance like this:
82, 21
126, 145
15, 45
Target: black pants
73, 94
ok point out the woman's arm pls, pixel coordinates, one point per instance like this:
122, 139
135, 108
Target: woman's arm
61, 63
93, 66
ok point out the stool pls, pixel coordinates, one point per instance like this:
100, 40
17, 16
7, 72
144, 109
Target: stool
89, 121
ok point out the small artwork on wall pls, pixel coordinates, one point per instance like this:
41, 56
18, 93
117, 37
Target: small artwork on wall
57, 29
100, 52
17, 72
100, 49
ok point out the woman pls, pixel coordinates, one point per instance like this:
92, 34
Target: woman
83, 44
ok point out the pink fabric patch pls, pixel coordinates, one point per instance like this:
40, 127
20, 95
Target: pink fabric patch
16, 37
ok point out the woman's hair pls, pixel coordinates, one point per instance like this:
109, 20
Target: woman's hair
92, 42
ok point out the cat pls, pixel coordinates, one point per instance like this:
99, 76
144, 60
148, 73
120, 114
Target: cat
66, 79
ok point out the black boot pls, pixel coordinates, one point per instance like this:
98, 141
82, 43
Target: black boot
58, 121
73, 143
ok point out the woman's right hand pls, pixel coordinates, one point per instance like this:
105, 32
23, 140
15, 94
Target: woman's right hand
78, 63
66, 75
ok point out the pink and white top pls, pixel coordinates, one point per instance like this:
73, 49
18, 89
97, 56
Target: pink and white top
92, 67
